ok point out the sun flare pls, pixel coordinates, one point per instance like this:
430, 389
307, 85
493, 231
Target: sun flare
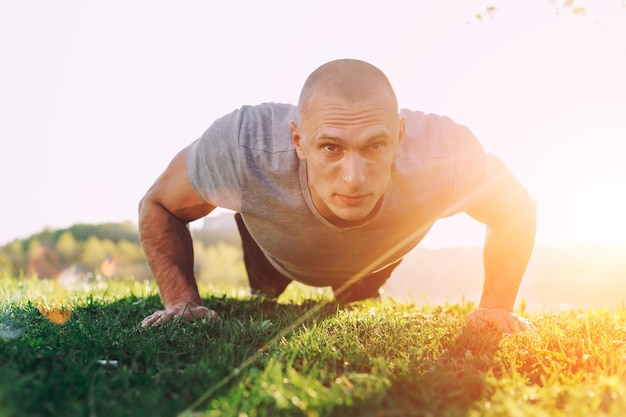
600, 214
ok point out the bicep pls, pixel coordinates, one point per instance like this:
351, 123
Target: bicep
173, 191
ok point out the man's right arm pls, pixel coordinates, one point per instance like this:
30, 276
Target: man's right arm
164, 214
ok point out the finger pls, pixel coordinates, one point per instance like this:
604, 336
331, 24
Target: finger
149, 321
200, 313
528, 326
156, 319
523, 325
512, 326
479, 322
471, 320
165, 318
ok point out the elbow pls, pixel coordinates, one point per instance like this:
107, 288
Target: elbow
141, 209
520, 220
145, 211
149, 216
141, 217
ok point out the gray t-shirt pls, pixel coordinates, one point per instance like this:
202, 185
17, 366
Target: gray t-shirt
246, 162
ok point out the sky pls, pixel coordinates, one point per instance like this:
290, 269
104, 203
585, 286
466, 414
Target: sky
97, 97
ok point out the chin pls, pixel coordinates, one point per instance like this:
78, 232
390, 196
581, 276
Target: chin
351, 217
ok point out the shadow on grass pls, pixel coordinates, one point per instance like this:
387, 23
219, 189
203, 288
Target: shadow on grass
366, 365
100, 362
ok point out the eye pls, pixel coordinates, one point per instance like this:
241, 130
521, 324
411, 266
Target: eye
377, 146
331, 147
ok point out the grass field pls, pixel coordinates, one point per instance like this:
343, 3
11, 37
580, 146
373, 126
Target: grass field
303, 356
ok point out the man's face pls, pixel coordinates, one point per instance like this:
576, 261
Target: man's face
349, 149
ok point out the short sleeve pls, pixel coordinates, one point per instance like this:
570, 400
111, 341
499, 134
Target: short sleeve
213, 163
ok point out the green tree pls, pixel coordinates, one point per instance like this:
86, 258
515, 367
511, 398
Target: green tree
67, 247
222, 264
6, 265
94, 252
18, 258
130, 252
110, 248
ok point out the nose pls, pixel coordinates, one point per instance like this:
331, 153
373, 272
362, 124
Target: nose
353, 170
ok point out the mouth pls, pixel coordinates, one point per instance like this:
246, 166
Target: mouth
352, 199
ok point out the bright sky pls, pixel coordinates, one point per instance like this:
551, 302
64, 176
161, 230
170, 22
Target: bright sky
97, 97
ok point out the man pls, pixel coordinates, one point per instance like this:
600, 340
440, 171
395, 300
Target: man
334, 192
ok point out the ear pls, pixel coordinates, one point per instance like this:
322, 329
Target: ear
297, 139
402, 129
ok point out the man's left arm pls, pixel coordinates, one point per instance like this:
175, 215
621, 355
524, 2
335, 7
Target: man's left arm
505, 206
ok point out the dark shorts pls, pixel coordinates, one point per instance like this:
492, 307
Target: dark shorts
266, 280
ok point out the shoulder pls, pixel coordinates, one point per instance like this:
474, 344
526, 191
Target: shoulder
253, 126
266, 115
257, 116
265, 126
436, 136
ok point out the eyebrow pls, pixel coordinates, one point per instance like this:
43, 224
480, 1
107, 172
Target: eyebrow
334, 138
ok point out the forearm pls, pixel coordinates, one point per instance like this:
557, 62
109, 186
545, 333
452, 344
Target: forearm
168, 247
508, 247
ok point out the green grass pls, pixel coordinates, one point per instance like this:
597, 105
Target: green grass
303, 356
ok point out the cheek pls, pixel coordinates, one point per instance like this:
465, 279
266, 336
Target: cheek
321, 176
319, 173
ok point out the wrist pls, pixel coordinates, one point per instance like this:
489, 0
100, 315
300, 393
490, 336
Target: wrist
184, 302
494, 305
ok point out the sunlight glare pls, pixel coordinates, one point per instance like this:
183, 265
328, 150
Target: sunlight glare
600, 215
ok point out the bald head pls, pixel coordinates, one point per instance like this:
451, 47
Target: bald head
350, 80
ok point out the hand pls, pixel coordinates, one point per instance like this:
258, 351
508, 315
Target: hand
499, 319
188, 312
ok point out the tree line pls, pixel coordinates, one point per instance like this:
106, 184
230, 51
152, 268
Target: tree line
113, 251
